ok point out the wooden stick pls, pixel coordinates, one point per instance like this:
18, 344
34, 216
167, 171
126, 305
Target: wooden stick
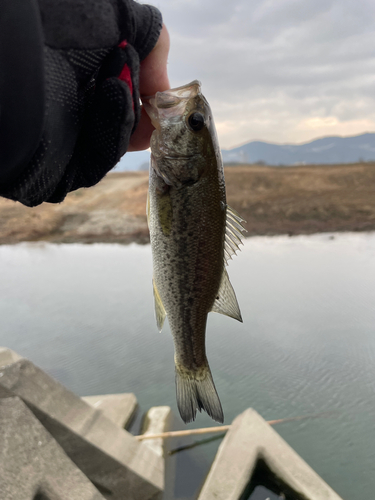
222, 428
188, 432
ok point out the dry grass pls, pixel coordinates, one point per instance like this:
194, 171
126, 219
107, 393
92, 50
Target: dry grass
273, 200
308, 199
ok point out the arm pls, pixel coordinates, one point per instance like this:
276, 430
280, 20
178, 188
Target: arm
21, 85
91, 79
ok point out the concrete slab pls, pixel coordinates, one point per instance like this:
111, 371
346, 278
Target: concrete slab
249, 440
7, 356
119, 408
116, 463
33, 463
158, 419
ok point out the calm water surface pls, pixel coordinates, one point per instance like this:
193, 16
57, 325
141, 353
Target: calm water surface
307, 345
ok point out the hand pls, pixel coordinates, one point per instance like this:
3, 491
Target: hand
89, 55
153, 78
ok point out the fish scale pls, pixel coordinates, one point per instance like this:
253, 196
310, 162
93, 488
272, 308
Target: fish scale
187, 217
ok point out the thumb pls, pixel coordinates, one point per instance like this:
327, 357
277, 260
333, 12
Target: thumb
153, 77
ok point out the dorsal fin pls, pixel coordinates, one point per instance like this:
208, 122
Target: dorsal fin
159, 308
226, 301
233, 233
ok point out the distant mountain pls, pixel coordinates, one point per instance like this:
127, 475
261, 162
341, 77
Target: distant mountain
325, 150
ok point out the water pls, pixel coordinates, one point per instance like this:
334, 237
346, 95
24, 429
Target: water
307, 345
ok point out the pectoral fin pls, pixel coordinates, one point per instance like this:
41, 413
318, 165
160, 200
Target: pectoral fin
165, 213
159, 308
226, 301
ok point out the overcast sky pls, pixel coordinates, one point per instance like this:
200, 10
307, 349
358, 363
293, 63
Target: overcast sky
277, 70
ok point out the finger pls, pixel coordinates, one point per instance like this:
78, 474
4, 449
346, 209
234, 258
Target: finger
140, 139
153, 76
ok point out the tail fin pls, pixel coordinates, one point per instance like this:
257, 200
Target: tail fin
196, 391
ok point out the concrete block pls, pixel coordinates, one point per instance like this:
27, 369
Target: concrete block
7, 356
119, 408
33, 463
157, 419
250, 439
116, 463
161, 419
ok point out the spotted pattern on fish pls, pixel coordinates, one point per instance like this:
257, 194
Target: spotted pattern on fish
187, 221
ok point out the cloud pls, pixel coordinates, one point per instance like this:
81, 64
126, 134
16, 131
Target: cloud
269, 68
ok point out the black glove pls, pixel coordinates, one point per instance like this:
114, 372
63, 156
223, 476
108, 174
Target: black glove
89, 94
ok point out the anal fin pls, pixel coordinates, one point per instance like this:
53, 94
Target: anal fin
226, 300
159, 308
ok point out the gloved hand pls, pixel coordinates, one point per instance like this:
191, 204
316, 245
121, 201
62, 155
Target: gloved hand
91, 57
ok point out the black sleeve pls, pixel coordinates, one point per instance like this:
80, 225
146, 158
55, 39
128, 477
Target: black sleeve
21, 85
69, 97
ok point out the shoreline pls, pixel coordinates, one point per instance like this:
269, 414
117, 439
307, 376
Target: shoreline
331, 235
273, 200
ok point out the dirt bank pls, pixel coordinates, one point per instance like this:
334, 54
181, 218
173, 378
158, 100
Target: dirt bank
303, 200
273, 200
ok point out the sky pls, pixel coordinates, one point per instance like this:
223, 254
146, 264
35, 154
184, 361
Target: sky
284, 71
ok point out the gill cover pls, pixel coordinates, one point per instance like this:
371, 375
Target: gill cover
179, 143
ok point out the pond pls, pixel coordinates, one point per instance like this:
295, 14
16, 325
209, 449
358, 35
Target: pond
85, 315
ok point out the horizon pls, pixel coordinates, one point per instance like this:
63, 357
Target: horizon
128, 161
283, 70
297, 143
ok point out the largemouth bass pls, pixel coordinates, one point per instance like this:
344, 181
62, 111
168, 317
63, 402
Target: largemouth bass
193, 235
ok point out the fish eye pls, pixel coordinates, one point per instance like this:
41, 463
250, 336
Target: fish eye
196, 121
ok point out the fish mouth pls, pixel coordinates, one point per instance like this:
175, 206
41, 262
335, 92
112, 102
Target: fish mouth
170, 104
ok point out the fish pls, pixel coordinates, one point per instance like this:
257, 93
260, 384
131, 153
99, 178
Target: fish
193, 234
